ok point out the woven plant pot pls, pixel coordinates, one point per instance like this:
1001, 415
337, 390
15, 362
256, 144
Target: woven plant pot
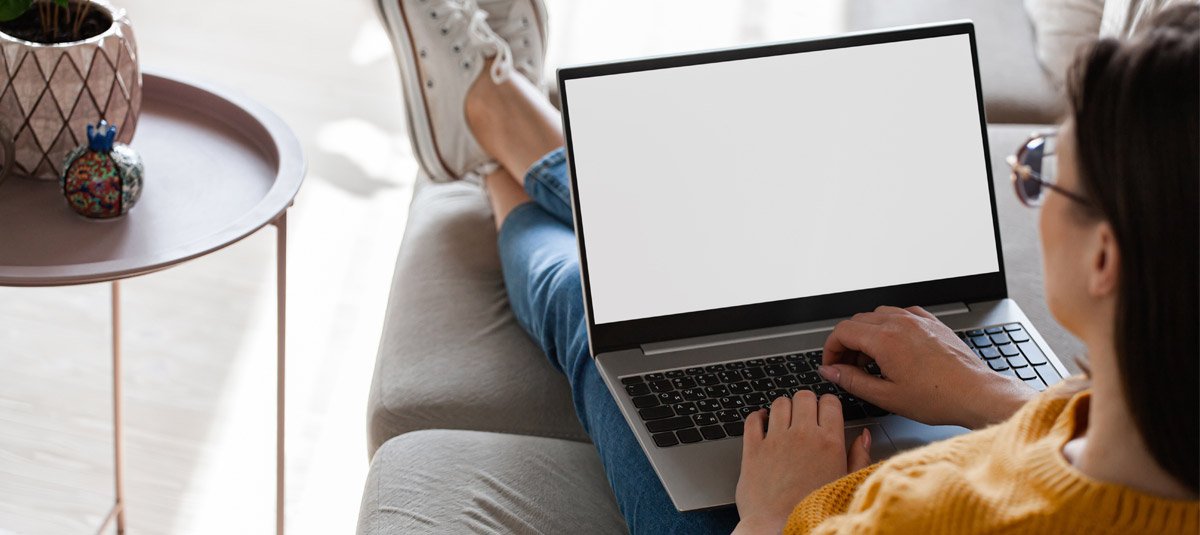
49, 93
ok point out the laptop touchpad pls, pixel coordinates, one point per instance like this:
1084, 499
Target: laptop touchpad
881, 444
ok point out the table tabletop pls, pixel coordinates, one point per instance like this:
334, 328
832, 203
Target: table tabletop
218, 168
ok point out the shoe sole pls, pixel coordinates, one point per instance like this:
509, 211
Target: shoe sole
420, 127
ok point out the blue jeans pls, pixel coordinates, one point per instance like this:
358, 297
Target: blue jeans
541, 270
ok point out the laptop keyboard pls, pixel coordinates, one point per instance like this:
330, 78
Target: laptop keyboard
688, 405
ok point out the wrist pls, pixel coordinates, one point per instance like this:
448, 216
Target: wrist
996, 402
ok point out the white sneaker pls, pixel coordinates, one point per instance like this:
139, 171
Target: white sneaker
523, 25
442, 46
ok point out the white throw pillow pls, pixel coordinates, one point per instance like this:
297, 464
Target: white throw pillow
1061, 27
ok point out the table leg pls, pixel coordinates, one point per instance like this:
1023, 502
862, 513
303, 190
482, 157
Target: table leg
281, 331
118, 446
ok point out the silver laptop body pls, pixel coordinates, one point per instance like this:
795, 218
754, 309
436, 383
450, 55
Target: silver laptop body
732, 206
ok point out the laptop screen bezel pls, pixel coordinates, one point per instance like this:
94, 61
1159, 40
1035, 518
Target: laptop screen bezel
619, 335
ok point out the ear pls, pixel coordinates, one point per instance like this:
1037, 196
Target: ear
1105, 272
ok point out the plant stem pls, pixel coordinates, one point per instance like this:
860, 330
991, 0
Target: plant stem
86, 8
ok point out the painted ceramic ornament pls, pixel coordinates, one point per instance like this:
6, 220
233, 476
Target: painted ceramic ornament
102, 179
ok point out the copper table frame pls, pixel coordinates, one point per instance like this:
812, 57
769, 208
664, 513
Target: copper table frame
257, 132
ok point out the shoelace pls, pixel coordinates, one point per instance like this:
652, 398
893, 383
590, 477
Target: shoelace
479, 32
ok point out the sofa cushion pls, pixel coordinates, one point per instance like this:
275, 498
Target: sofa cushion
1015, 89
452, 355
475, 482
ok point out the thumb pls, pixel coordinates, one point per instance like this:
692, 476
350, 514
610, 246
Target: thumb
858, 382
860, 452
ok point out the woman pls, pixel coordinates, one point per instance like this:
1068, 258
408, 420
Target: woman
1114, 453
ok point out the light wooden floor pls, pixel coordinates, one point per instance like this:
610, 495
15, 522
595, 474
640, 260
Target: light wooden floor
199, 339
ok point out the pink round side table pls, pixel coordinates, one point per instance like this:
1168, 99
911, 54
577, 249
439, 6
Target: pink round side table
219, 167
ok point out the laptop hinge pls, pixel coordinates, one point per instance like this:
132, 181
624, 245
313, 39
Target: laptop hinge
687, 344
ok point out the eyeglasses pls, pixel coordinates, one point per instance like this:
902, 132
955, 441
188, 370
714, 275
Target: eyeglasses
1033, 171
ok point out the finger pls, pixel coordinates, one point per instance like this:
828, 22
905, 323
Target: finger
923, 313
874, 318
849, 336
859, 456
754, 430
804, 409
860, 383
781, 416
829, 413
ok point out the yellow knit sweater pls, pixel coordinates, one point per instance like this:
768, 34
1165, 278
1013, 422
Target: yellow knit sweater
1008, 478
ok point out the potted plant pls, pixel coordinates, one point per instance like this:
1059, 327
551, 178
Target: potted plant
64, 64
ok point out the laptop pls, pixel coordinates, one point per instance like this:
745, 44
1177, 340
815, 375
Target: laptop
732, 206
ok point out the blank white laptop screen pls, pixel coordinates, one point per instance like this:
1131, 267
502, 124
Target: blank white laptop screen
759, 180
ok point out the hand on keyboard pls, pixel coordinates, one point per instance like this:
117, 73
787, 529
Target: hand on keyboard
930, 374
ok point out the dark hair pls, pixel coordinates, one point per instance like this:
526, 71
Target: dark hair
1136, 108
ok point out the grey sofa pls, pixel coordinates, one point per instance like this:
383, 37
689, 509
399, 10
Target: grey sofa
472, 430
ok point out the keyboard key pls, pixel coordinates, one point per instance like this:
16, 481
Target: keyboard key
794, 357
732, 402
718, 391
757, 398
776, 394
853, 412
708, 405
694, 371
682, 383
656, 413
661, 386
798, 367
1036, 384
775, 370
707, 379
1000, 339
642, 402
753, 373
873, 411
712, 432
735, 365
775, 360
1019, 336
685, 409
1012, 327
693, 394
1008, 372
1032, 353
873, 368
1017, 362
674, 373
714, 368
975, 332
670, 398
994, 330
812, 354
787, 381
1009, 350
740, 387
705, 418
735, 429
729, 376
632, 380
755, 362
1026, 373
824, 388
810, 378
745, 412
998, 364
688, 436
729, 416
1048, 373
981, 341
664, 440
762, 385
669, 424
990, 353
655, 377
639, 389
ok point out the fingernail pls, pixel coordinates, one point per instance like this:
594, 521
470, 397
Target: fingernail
830, 373
867, 439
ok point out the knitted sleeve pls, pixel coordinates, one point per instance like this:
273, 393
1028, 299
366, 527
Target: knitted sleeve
831, 500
